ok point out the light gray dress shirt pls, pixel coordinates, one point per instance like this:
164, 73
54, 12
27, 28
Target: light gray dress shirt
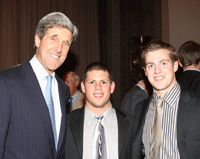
110, 125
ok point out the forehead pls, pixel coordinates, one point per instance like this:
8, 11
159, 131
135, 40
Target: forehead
70, 76
156, 55
97, 74
64, 33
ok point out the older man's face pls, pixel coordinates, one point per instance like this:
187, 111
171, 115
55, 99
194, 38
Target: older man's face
52, 50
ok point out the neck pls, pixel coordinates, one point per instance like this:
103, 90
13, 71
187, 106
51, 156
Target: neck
96, 110
192, 67
74, 92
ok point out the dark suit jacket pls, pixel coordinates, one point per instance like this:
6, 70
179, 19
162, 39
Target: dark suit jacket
26, 130
132, 98
74, 137
188, 125
186, 79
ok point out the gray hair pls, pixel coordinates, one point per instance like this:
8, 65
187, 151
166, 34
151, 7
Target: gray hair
76, 77
55, 19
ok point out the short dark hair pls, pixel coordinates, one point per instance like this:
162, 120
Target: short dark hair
155, 45
189, 53
97, 66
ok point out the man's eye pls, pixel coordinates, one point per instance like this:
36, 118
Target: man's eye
150, 66
66, 43
164, 63
104, 82
91, 82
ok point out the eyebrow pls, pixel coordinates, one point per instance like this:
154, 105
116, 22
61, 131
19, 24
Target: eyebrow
54, 35
67, 41
97, 80
159, 61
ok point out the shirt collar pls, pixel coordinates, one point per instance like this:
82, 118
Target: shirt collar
140, 86
108, 114
171, 96
191, 70
75, 95
39, 70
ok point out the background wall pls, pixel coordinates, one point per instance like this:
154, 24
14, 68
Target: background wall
110, 31
184, 21
18, 21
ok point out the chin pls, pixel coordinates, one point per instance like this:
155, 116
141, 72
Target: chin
98, 106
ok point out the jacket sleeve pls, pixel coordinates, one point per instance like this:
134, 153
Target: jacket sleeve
5, 114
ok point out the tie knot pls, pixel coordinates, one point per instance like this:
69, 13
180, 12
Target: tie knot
159, 102
99, 118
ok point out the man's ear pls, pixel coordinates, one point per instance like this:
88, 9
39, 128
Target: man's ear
144, 71
176, 66
83, 87
112, 87
179, 62
37, 41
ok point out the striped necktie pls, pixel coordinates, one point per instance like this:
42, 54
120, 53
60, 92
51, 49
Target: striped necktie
100, 151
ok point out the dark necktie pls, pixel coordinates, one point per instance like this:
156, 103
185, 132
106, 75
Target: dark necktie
156, 133
101, 152
49, 101
71, 104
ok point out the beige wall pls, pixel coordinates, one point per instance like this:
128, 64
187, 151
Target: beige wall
183, 21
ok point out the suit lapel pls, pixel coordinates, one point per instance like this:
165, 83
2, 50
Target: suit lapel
76, 127
63, 97
143, 111
183, 121
123, 127
33, 89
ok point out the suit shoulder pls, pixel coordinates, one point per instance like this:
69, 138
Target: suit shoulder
12, 72
187, 96
145, 101
75, 113
11, 75
124, 114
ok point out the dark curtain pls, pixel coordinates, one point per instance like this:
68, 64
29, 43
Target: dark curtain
18, 21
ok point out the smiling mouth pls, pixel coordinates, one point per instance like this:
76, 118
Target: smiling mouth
54, 56
158, 78
98, 95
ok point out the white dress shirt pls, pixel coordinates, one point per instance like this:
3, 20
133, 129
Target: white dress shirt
41, 74
110, 125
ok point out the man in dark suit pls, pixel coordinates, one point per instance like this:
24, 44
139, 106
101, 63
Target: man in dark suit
139, 92
33, 97
171, 128
189, 59
119, 127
